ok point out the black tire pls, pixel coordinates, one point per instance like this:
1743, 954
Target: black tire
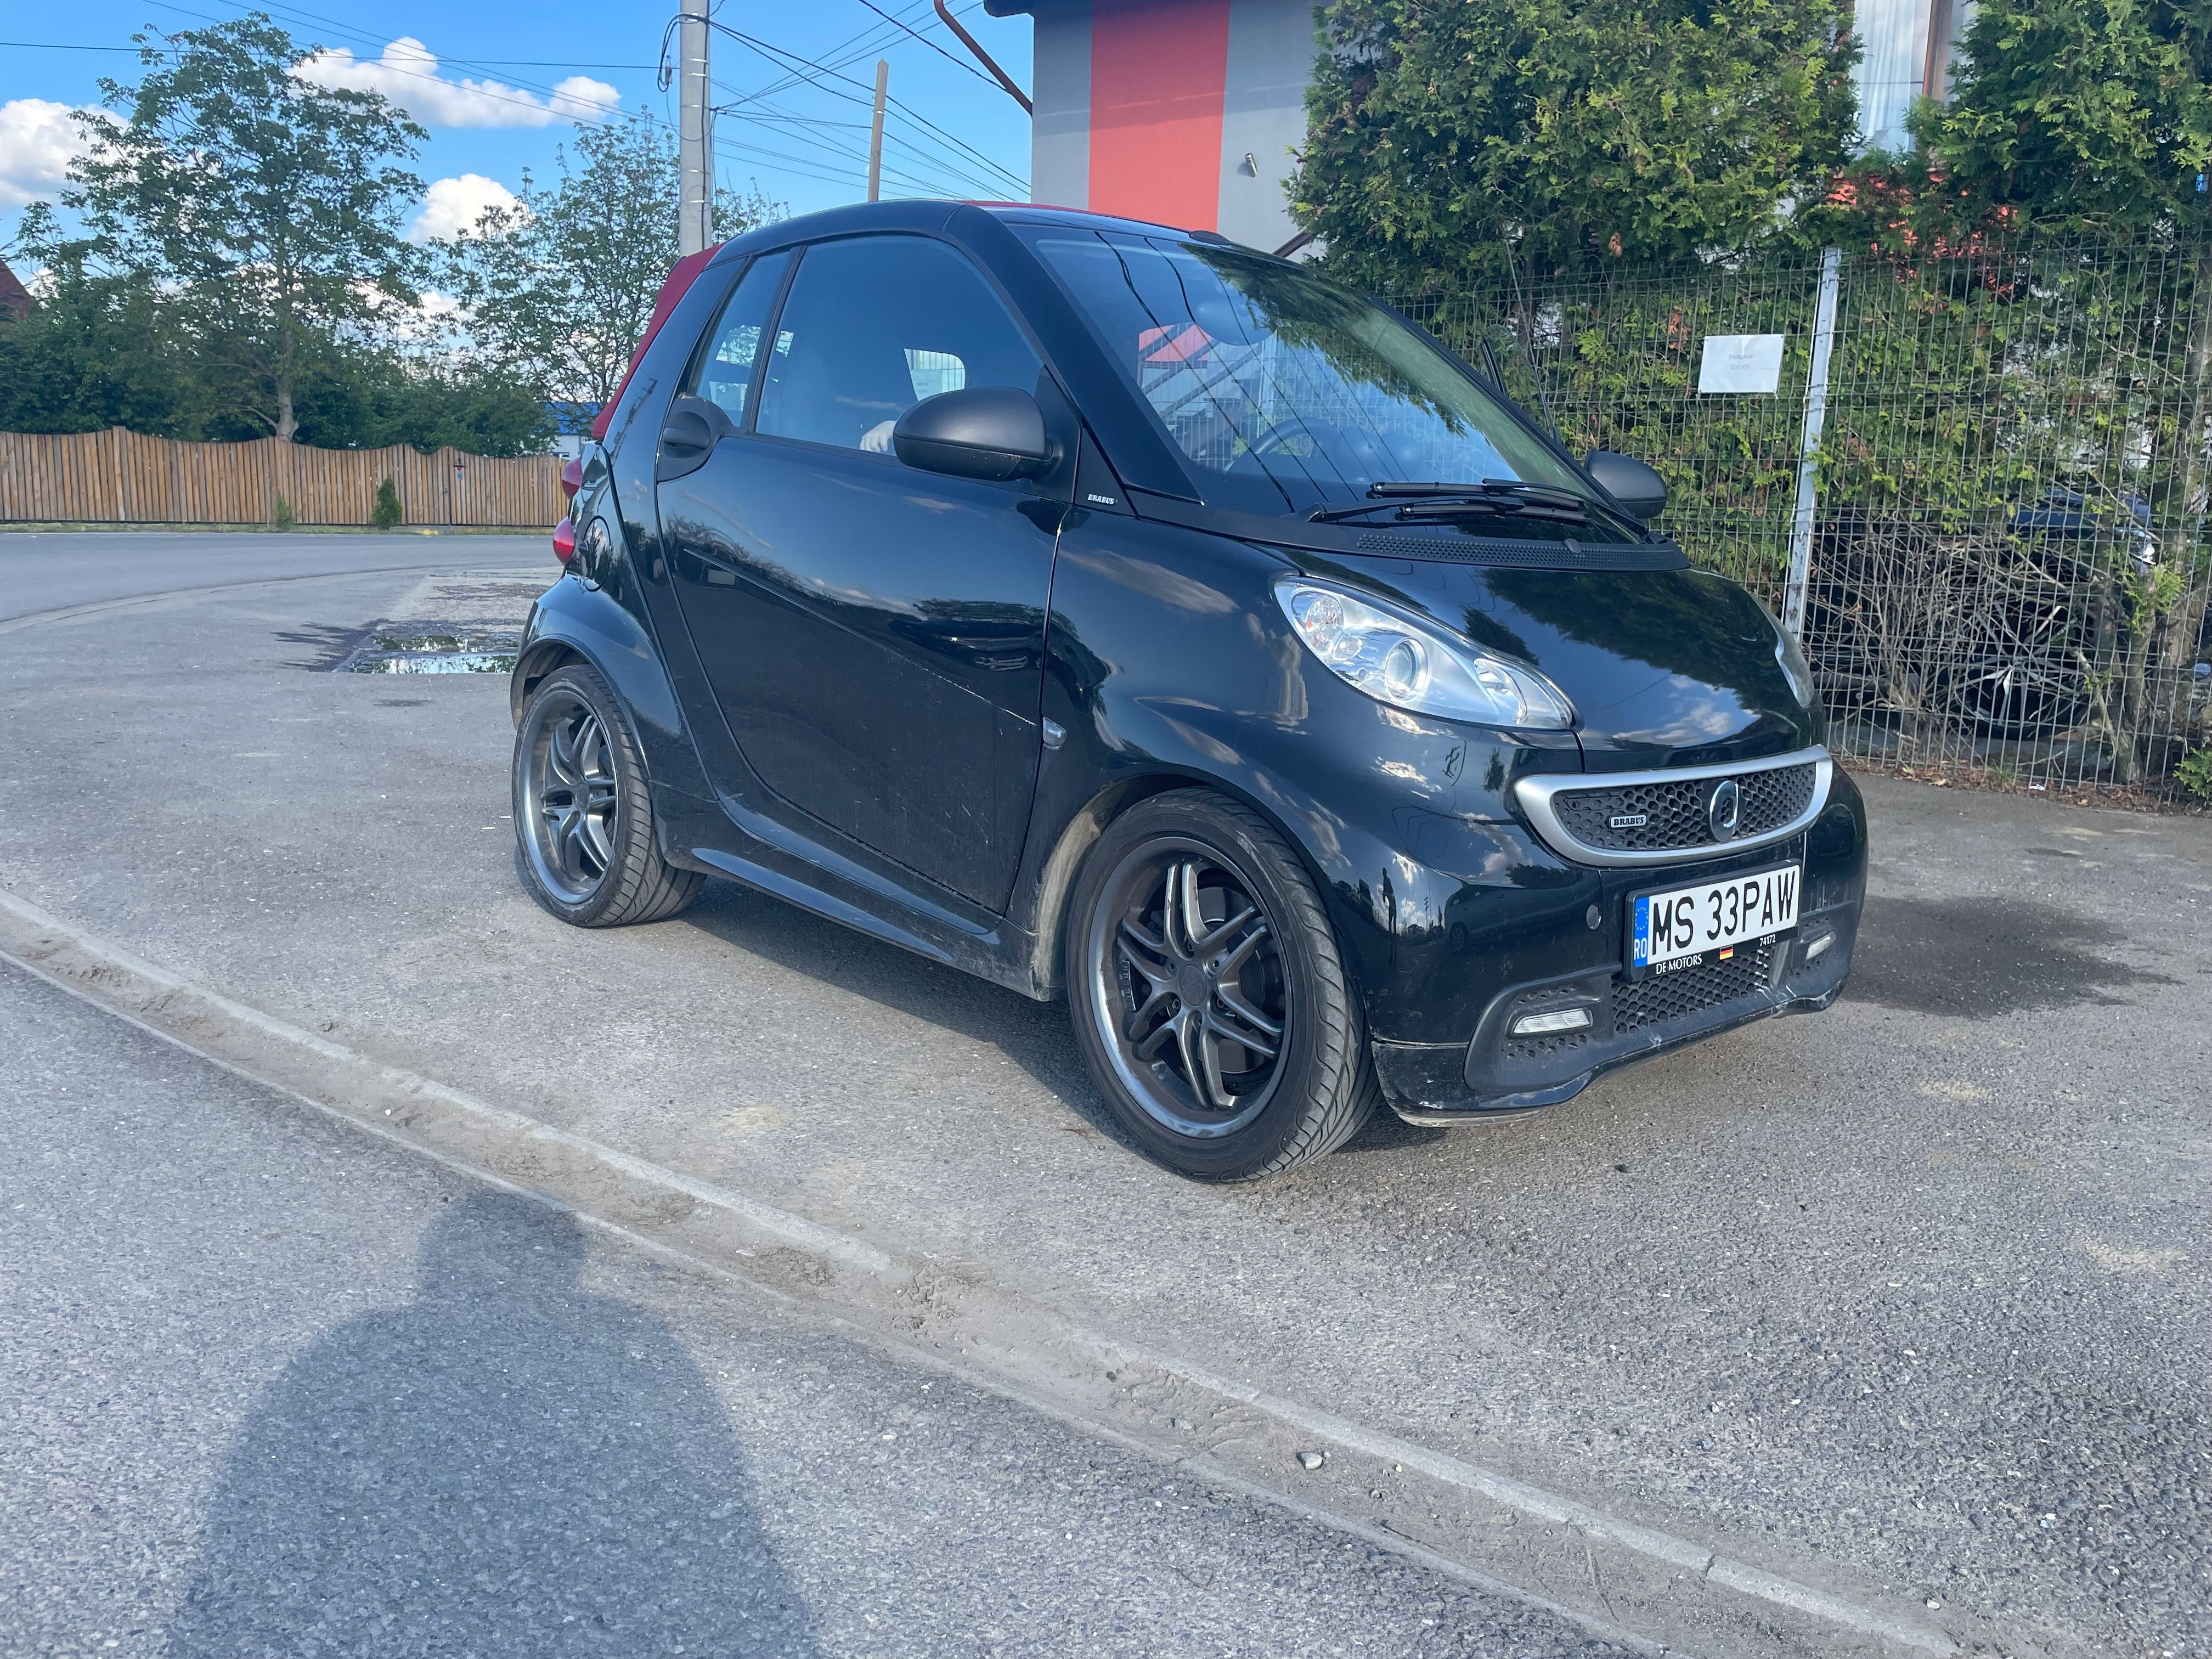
1162, 1005
583, 813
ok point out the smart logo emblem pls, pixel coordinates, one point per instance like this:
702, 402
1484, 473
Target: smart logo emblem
1724, 810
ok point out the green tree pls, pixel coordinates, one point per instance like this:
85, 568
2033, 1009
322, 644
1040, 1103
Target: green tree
265, 208
363, 398
1613, 130
99, 349
2075, 135
112, 349
558, 290
2079, 116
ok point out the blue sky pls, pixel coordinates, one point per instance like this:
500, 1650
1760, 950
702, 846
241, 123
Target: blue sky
533, 66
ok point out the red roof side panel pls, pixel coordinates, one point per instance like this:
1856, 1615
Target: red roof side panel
681, 275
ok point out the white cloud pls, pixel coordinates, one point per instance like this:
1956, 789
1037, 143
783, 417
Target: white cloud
408, 75
451, 207
39, 138
436, 325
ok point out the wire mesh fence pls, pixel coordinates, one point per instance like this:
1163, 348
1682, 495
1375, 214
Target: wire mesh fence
2001, 547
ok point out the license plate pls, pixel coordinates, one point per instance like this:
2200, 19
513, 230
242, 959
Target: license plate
1688, 927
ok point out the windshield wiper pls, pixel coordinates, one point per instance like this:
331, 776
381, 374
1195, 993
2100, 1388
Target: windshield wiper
1442, 503
1507, 487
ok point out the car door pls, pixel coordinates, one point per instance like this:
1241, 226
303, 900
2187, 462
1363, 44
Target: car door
872, 635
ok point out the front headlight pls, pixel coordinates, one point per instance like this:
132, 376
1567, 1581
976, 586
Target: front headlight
1418, 666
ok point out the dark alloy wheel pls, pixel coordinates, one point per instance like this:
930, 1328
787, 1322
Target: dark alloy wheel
1208, 993
572, 829
583, 817
1191, 969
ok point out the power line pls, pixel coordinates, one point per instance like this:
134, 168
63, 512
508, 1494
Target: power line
952, 167
799, 70
855, 47
916, 173
495, 62
957, 164
414, 75
802, 70
464, 63
778, 54
960, 62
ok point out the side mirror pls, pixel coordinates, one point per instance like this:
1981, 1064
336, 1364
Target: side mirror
1628, 481
982, 431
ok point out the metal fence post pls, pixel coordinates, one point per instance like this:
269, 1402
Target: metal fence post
1808, 444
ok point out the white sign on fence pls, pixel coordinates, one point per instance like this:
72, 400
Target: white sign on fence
1740, 363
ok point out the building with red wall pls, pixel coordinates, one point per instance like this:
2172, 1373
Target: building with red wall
1182, 112
1187, 111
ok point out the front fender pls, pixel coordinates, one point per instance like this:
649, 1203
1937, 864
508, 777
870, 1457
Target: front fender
1169, 662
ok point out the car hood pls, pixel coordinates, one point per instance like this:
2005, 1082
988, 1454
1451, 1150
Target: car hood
1664, 667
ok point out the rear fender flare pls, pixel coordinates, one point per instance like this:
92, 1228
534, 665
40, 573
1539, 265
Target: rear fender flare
574, 622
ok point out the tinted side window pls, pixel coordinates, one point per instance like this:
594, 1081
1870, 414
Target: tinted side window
725, 370
874, 326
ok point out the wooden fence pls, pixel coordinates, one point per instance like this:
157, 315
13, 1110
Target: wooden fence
126, 477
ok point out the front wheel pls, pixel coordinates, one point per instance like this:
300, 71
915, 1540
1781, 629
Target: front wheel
1208, 995
583, 815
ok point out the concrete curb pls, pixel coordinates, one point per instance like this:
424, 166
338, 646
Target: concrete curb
1627, 1582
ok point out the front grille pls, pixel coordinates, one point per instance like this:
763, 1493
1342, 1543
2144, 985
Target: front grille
1673, 812
1670, 996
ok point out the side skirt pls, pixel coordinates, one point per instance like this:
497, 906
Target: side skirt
711, 836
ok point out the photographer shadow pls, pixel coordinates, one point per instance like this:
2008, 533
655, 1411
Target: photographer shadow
506, 1465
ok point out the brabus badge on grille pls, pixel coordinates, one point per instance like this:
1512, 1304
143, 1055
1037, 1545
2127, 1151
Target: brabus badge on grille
1724, 810
1628, 820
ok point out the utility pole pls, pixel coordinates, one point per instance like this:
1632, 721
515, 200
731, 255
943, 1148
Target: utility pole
876, 132
694, 213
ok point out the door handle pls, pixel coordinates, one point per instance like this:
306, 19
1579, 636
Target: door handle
688, 436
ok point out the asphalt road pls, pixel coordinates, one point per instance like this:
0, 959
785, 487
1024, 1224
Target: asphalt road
1914, 1293
269, 1386
50, 570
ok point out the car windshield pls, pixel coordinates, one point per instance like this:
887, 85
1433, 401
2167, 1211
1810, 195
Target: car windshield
1288, 393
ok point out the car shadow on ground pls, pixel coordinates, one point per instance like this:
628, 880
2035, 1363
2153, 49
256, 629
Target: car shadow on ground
506, 1466
1035, 1035
1965, 958
1977, 958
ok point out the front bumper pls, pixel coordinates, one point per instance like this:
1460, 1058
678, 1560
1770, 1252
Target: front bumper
1489, 1072
1498, 1073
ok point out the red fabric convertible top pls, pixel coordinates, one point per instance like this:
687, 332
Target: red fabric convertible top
681, 275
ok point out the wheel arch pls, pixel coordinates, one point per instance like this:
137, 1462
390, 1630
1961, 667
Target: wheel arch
1056, 880
538, 658
574, 622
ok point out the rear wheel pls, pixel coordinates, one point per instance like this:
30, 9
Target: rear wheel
583, 815
1208, 995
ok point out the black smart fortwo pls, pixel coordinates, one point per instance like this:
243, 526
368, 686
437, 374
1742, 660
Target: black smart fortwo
1113, 612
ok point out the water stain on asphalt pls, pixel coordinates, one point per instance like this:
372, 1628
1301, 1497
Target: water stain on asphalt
409, 647
1978, 958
